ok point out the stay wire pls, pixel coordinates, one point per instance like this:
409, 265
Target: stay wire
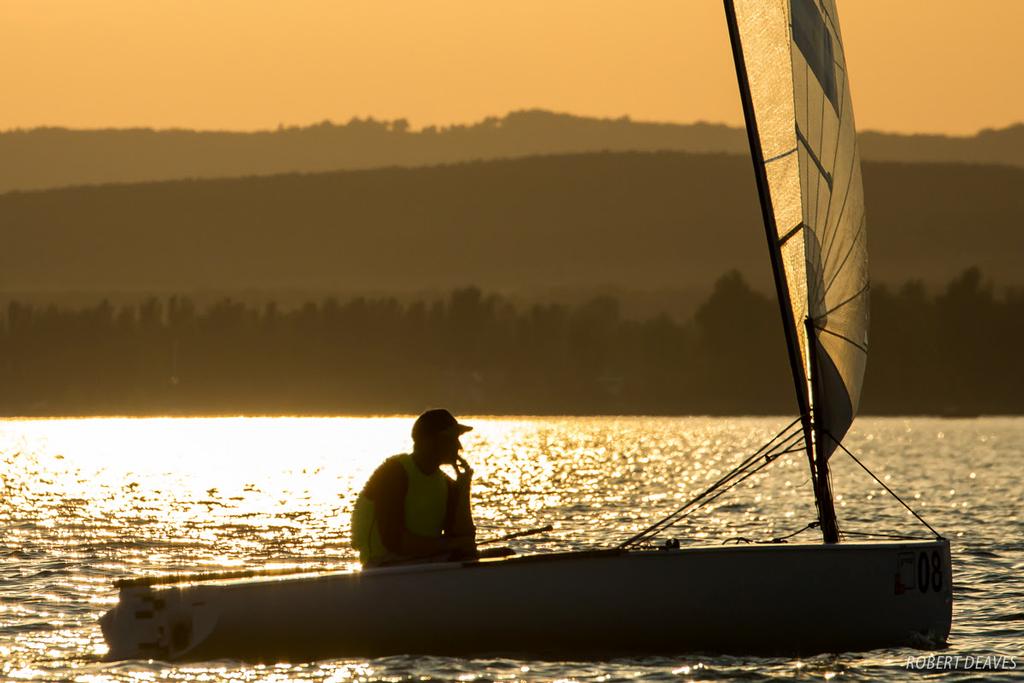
787, 435
687, 508
769, 459
882, 484
729, 482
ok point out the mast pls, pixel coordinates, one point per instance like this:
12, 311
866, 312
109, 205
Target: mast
792, 74
819, 465
771, 232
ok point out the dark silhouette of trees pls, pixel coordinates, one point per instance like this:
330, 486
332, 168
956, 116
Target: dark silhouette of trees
741, 342
952, 353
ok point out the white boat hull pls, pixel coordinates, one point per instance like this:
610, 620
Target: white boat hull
756, 599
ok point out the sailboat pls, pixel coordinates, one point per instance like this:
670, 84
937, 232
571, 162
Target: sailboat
641, 596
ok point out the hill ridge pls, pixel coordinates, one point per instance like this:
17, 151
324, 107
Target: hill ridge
645, 221
52, 157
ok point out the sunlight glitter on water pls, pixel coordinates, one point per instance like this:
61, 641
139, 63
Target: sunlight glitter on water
92, 500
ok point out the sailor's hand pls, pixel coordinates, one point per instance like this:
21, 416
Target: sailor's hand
463, 472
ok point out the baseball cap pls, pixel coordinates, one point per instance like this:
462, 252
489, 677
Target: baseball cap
436, 422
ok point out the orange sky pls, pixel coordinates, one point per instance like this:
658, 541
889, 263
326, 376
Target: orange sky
948, 66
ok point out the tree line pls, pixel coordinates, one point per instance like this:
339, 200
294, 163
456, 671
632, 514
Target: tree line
954, 352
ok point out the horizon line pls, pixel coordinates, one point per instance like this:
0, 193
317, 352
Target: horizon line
328, 122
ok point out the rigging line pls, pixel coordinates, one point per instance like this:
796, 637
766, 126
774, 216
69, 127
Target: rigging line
843, 337
654, 528
796, 436
792, 449
714, 497
683, 512
748, 475
853, 297
853, 243
675, 516
882, 484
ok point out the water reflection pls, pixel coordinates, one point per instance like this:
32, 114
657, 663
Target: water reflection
87, 501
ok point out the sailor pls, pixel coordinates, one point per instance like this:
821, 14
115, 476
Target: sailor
410, 510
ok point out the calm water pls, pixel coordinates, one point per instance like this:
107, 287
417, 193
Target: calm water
89, 501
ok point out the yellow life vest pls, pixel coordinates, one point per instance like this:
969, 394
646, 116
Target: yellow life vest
426, 501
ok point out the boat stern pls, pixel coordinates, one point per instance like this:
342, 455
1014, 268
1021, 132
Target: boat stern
131, 628
153, 624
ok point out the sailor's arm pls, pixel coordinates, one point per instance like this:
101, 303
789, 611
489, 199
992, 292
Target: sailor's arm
459, 518
389, 502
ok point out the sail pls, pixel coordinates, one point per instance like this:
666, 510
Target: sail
799, 114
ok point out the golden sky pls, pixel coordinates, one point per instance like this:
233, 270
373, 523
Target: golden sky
948, 66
